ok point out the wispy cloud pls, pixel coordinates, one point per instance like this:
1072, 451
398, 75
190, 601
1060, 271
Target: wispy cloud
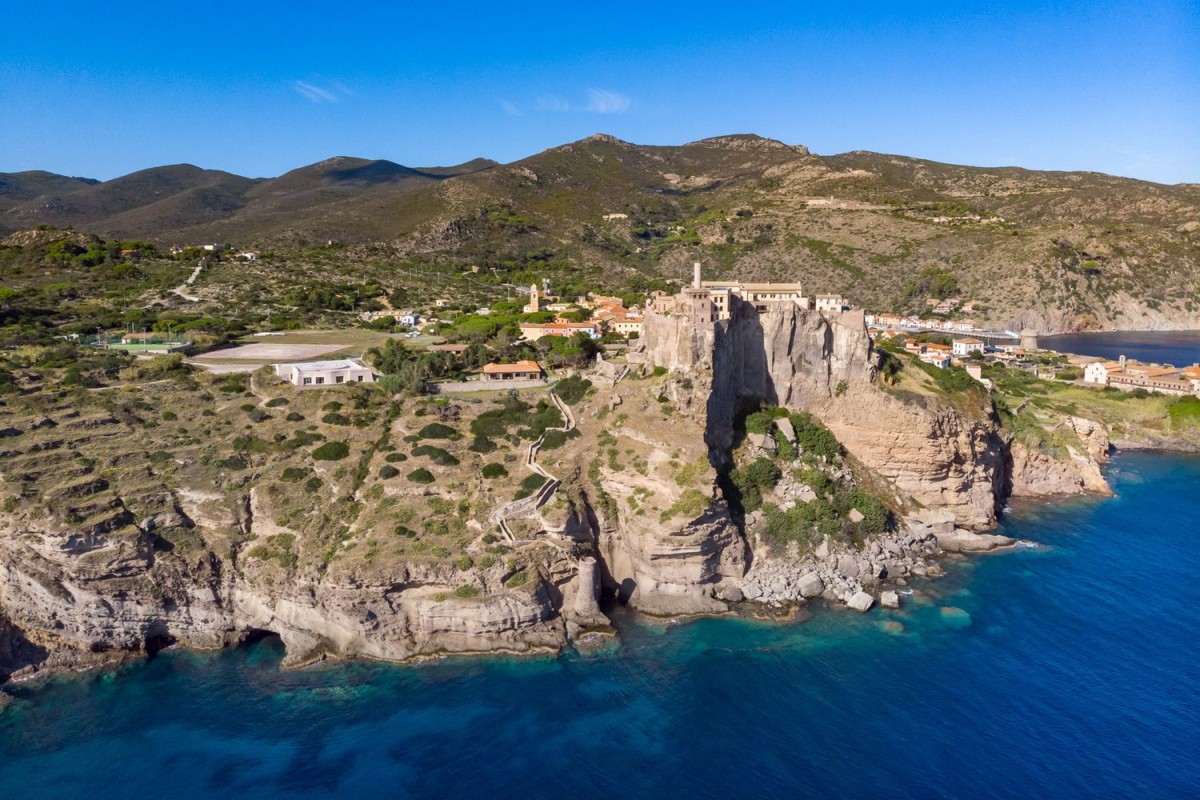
602, 101
321, 94
509, 107
551, 102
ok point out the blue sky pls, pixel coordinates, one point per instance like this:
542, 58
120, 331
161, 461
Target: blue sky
102, 89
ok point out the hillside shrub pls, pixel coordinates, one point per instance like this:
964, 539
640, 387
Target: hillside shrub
393, 458
387, 471
436, 430
294, 416
529, 485
294, 474
331, 451
482, 445
494, 471
421, 475
573, 389
276, 402
690, 504
436, 454
554, 440
814, 438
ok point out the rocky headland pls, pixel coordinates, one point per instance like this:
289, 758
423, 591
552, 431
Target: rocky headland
112, 545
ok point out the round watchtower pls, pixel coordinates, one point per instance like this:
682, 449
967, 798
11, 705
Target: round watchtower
586, 595
1029, 339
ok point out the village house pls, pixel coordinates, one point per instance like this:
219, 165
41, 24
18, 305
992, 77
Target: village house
520, 371
832, 302
534, 331
411, 319
967, 345
309, 374
937, 355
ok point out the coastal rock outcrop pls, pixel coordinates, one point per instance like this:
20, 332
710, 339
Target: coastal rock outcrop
938, 456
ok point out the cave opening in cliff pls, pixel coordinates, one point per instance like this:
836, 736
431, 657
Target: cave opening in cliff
261, 636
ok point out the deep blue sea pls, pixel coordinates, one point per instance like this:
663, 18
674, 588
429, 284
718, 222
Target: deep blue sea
1179, 348
1067, 671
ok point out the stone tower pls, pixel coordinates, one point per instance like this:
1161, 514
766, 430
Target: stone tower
1029, 339
533, 299
586, 605
698, 301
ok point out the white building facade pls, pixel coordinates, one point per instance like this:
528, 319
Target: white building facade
310, 374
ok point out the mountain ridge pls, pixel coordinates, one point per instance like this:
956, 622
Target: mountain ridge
1057, 250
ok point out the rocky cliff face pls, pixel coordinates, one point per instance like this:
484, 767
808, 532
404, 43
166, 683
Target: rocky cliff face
826, 365
937, 455
116, 594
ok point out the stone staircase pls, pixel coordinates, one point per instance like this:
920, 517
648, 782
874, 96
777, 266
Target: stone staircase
527, 505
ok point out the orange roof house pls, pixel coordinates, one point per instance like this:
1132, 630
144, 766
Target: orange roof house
520, 371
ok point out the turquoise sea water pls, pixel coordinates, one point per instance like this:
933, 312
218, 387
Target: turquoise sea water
1071, 670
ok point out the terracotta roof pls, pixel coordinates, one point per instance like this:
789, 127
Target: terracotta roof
970, 340
520, 366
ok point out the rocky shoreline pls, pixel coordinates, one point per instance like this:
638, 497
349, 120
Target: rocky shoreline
649, 524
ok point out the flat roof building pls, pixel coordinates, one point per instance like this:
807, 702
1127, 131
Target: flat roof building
310, 374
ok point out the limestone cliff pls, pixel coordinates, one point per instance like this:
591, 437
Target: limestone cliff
939, 455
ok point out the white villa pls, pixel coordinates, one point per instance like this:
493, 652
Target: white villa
308, 374
967, 345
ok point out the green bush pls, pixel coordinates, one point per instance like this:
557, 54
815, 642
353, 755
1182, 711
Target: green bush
436, 454
387, 471
466, 592
169, 416
494, 471
529, 485
814, 438
332, 405
393, 458
294, 474
294, 416
421, 475
554, 440
312, 484
573, 389
331, 451
277, 402
482, 445
690, 504
436, 430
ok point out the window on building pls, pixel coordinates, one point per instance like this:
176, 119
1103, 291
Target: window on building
360, 378
320, 380
339, 379
307, 381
